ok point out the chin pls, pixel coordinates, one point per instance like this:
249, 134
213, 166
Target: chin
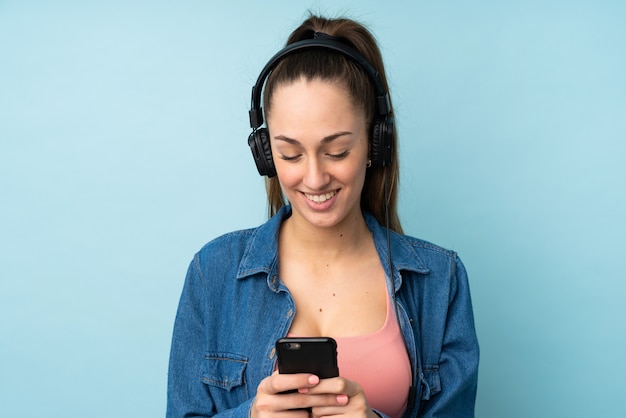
329, 219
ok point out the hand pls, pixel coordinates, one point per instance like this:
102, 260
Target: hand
314, 397
346, 399
271, 401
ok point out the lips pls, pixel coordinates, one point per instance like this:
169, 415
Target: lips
320, 198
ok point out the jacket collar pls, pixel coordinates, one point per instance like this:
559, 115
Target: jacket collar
261, 254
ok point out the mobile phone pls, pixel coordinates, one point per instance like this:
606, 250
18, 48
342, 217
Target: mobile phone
317, 355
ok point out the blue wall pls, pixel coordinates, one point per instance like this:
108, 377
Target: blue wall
122, 150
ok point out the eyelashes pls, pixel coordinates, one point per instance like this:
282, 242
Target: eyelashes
287, 158
339, 156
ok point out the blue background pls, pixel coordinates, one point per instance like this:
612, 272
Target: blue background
122, 151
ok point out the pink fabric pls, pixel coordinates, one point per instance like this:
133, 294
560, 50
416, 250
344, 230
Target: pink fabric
380, 364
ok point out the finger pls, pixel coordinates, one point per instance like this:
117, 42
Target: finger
270, 400
314, 401
280, 383
267, 412
343, 405
275, 406
337, 386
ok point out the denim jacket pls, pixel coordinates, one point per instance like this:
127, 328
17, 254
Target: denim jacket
233, 308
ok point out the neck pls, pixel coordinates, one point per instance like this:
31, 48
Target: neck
348, 236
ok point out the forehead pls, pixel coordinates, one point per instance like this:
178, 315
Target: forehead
315, 97
309, 111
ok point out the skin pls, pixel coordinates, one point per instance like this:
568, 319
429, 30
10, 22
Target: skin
320, 145
327, 257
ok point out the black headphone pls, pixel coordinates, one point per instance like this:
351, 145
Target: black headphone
383, 126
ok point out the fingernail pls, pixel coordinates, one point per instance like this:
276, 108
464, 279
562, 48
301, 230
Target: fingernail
342, 399
314, 380
303, 390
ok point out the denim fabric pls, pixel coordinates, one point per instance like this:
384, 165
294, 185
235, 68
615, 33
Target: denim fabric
233, 308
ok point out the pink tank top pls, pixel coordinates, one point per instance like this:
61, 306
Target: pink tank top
380, 364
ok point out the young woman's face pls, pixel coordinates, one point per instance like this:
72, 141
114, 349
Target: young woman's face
320, 149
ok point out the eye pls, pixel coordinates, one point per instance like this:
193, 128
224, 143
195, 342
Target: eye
339, 156
290, 158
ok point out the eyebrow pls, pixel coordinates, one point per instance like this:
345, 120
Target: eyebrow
325, 140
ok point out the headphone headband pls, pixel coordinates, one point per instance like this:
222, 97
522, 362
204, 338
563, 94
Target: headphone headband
321, 42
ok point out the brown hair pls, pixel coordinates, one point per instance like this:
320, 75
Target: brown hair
332, 66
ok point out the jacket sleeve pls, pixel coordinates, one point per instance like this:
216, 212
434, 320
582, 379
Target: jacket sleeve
187, 395
458, 363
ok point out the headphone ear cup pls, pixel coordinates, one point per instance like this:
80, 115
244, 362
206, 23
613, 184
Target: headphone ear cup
382, 142
259, 144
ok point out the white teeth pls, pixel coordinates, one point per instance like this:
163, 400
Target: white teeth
320, 198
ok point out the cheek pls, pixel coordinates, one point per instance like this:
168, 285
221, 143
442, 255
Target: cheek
352, 175
360, 176
287, 176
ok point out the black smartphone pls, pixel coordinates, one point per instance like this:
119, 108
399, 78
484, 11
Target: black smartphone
317, 355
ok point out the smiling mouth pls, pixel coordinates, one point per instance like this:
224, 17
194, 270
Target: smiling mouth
320, 198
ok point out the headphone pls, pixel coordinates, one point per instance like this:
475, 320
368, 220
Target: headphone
382, 128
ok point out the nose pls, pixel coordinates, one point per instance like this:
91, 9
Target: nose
316, 176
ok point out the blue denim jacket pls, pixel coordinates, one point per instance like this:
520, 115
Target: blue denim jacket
233, 308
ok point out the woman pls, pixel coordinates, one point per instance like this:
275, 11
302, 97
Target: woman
331, 262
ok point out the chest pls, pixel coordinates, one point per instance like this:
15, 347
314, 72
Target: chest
340, 300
